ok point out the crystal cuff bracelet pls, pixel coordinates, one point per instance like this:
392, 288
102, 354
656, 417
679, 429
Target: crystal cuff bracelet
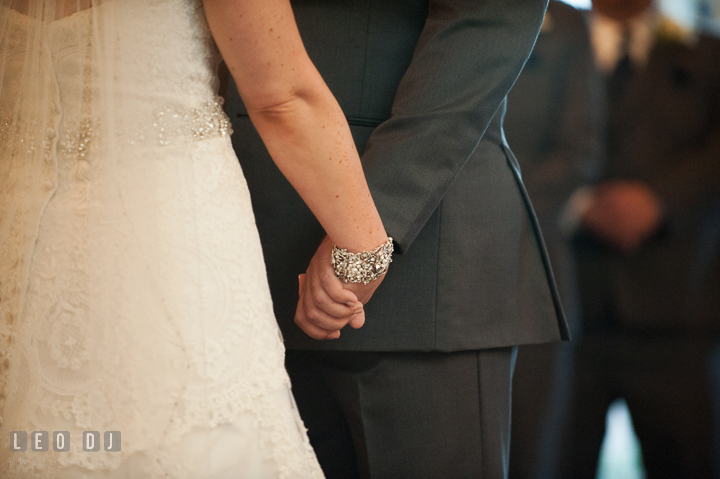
362, 267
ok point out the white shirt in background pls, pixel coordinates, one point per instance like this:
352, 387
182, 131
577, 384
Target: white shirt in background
606, 36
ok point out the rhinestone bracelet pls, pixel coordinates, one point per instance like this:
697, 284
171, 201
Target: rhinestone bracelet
362, 267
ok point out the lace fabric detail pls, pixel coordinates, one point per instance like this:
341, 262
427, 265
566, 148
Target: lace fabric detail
232, 368
133, 294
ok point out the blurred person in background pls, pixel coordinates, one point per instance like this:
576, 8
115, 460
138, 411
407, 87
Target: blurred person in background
554, 124
649, 248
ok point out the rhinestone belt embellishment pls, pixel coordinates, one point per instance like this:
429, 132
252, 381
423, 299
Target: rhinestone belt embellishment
201, 123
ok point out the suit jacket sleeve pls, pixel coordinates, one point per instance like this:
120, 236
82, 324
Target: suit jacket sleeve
468, 56
695, 177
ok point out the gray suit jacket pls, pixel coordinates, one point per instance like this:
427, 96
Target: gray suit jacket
423, 88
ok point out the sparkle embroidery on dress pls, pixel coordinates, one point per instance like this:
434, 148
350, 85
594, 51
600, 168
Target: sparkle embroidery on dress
78, 138
207, 121
4, 131
171, 125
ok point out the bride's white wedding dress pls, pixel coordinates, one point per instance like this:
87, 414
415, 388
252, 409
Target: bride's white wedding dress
133, 295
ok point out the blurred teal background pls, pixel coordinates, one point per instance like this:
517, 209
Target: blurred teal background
685, 12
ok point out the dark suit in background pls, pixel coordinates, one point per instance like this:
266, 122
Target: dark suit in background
423, 389
554, 125
652, 316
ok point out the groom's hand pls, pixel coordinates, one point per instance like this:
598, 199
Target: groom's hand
325, 306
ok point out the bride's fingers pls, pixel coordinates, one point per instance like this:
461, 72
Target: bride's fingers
319, 297
320, 318
313, 330
334, 288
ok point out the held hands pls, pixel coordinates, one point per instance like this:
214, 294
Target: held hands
623, 213
327, 304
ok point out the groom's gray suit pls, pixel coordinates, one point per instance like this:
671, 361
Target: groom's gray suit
423, 87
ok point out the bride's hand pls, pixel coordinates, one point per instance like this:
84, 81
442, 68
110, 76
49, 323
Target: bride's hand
325, 306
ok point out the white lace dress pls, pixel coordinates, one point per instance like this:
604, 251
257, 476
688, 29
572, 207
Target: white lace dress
133, 295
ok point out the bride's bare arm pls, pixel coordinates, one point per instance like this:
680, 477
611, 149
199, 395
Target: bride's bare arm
303, 128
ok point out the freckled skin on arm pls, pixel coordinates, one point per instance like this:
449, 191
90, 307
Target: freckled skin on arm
308, 138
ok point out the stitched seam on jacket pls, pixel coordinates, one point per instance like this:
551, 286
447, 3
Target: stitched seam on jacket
437, 270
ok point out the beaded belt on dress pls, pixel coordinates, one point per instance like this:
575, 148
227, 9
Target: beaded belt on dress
168, 125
